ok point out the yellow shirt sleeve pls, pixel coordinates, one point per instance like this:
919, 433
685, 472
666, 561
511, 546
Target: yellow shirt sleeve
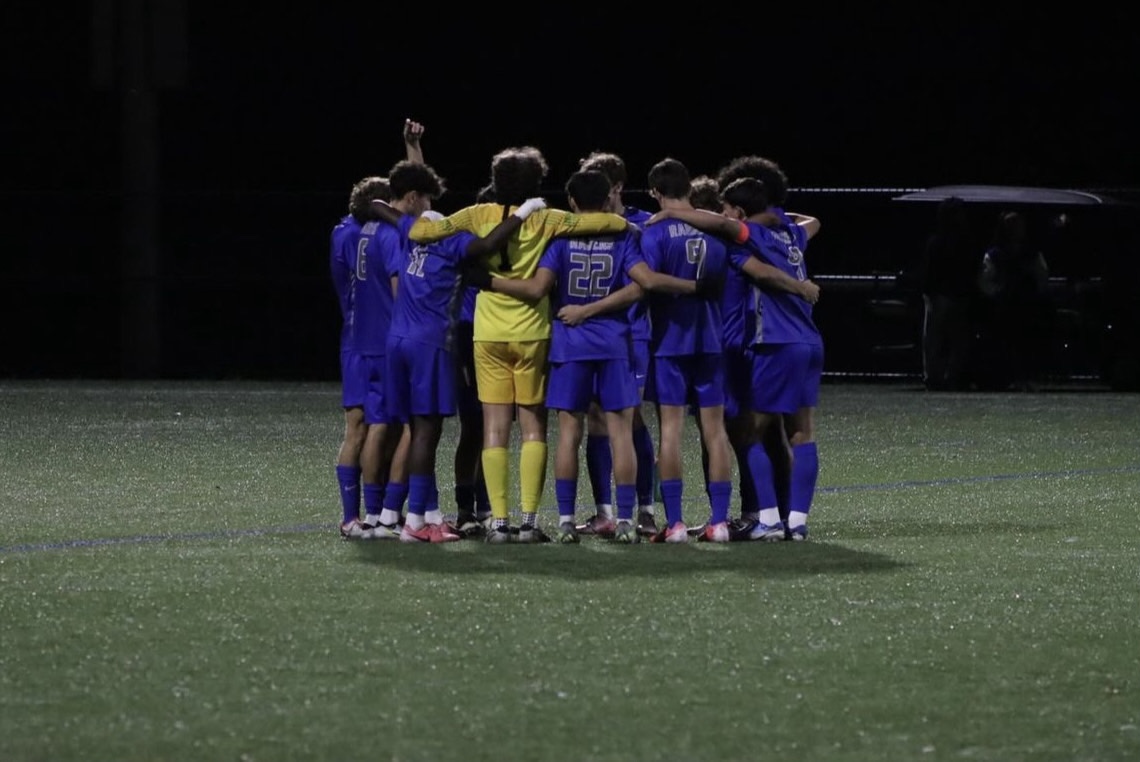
556, 222
472, 219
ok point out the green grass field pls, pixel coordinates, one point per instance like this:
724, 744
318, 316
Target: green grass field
173, 587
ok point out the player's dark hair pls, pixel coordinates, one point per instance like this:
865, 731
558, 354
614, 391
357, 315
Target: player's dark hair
360, 199
407, 176
748, 193
764, 170
590, 190
517, 174
670, 178
704, 194
609, 164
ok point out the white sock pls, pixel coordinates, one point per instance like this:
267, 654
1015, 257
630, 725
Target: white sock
796, 519
414, 521
389, 517
434, 517
646, 509
371, 519
605, 509
565, 519
770, 516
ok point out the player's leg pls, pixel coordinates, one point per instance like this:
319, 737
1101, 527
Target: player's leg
599, 463
397, 440
353, 391
495, 379
643, 443
776, 390
530, 379
671, 387
569, 392
470, 492
708, 389
373, 458
805, 454
618, 396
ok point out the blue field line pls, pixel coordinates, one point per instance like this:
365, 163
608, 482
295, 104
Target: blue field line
222, 534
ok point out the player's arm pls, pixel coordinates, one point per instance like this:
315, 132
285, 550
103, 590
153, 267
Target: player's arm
500, 235
576, 314
768, 277
525, 289
557, 223
413, 131
705, 221
809, 224
653, 281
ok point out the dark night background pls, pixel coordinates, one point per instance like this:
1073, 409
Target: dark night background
173, 168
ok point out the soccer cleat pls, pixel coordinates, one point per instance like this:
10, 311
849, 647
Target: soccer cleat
715, 533
599, 525
567, 533
380, 531
696, 531
798, 534
428, 533
646, 523
626, 533
767, 532
677, 533
530, 534
352, 530
498, 536
446, 532
468, 525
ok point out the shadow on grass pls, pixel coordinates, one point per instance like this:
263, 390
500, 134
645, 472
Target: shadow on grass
598, 559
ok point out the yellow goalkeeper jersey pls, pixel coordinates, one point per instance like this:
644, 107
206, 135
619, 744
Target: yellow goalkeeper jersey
499, 317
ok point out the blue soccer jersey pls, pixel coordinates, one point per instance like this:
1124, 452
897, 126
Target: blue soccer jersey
736, 301
780, 317
342, 264
380, 255
430, 293
639, 310
586, 270
683, 325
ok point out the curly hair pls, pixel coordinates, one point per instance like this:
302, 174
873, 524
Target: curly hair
764, 170
517, 174
360, 199
705, 194
609, 164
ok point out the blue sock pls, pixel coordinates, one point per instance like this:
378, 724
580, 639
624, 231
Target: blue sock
373, 498
805, 473
464, 498
671, 497
720, 493
643, 447
760, 465
566, 493
394, 495
349, 479
626, 500
600, 466
748, 501
419, 487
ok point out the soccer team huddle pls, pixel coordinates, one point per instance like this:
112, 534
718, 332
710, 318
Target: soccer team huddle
508, 309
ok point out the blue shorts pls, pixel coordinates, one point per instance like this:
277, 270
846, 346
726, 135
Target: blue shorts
689, 379
420, 380
353, 379
573, 385
737, 381
466, 390
375, 409
786, 377
640, 358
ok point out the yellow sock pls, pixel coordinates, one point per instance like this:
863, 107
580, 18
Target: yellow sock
496, 476
532, 474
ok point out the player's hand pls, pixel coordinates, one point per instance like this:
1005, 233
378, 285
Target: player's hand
572, 314
530, 206
476, 276
413, 131
658, 217
710, 287
809, 290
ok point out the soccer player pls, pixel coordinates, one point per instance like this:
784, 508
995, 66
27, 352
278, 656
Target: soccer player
599, 461
342, 260
512, 337
786, 345
419, 379
590, 353
687, 362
